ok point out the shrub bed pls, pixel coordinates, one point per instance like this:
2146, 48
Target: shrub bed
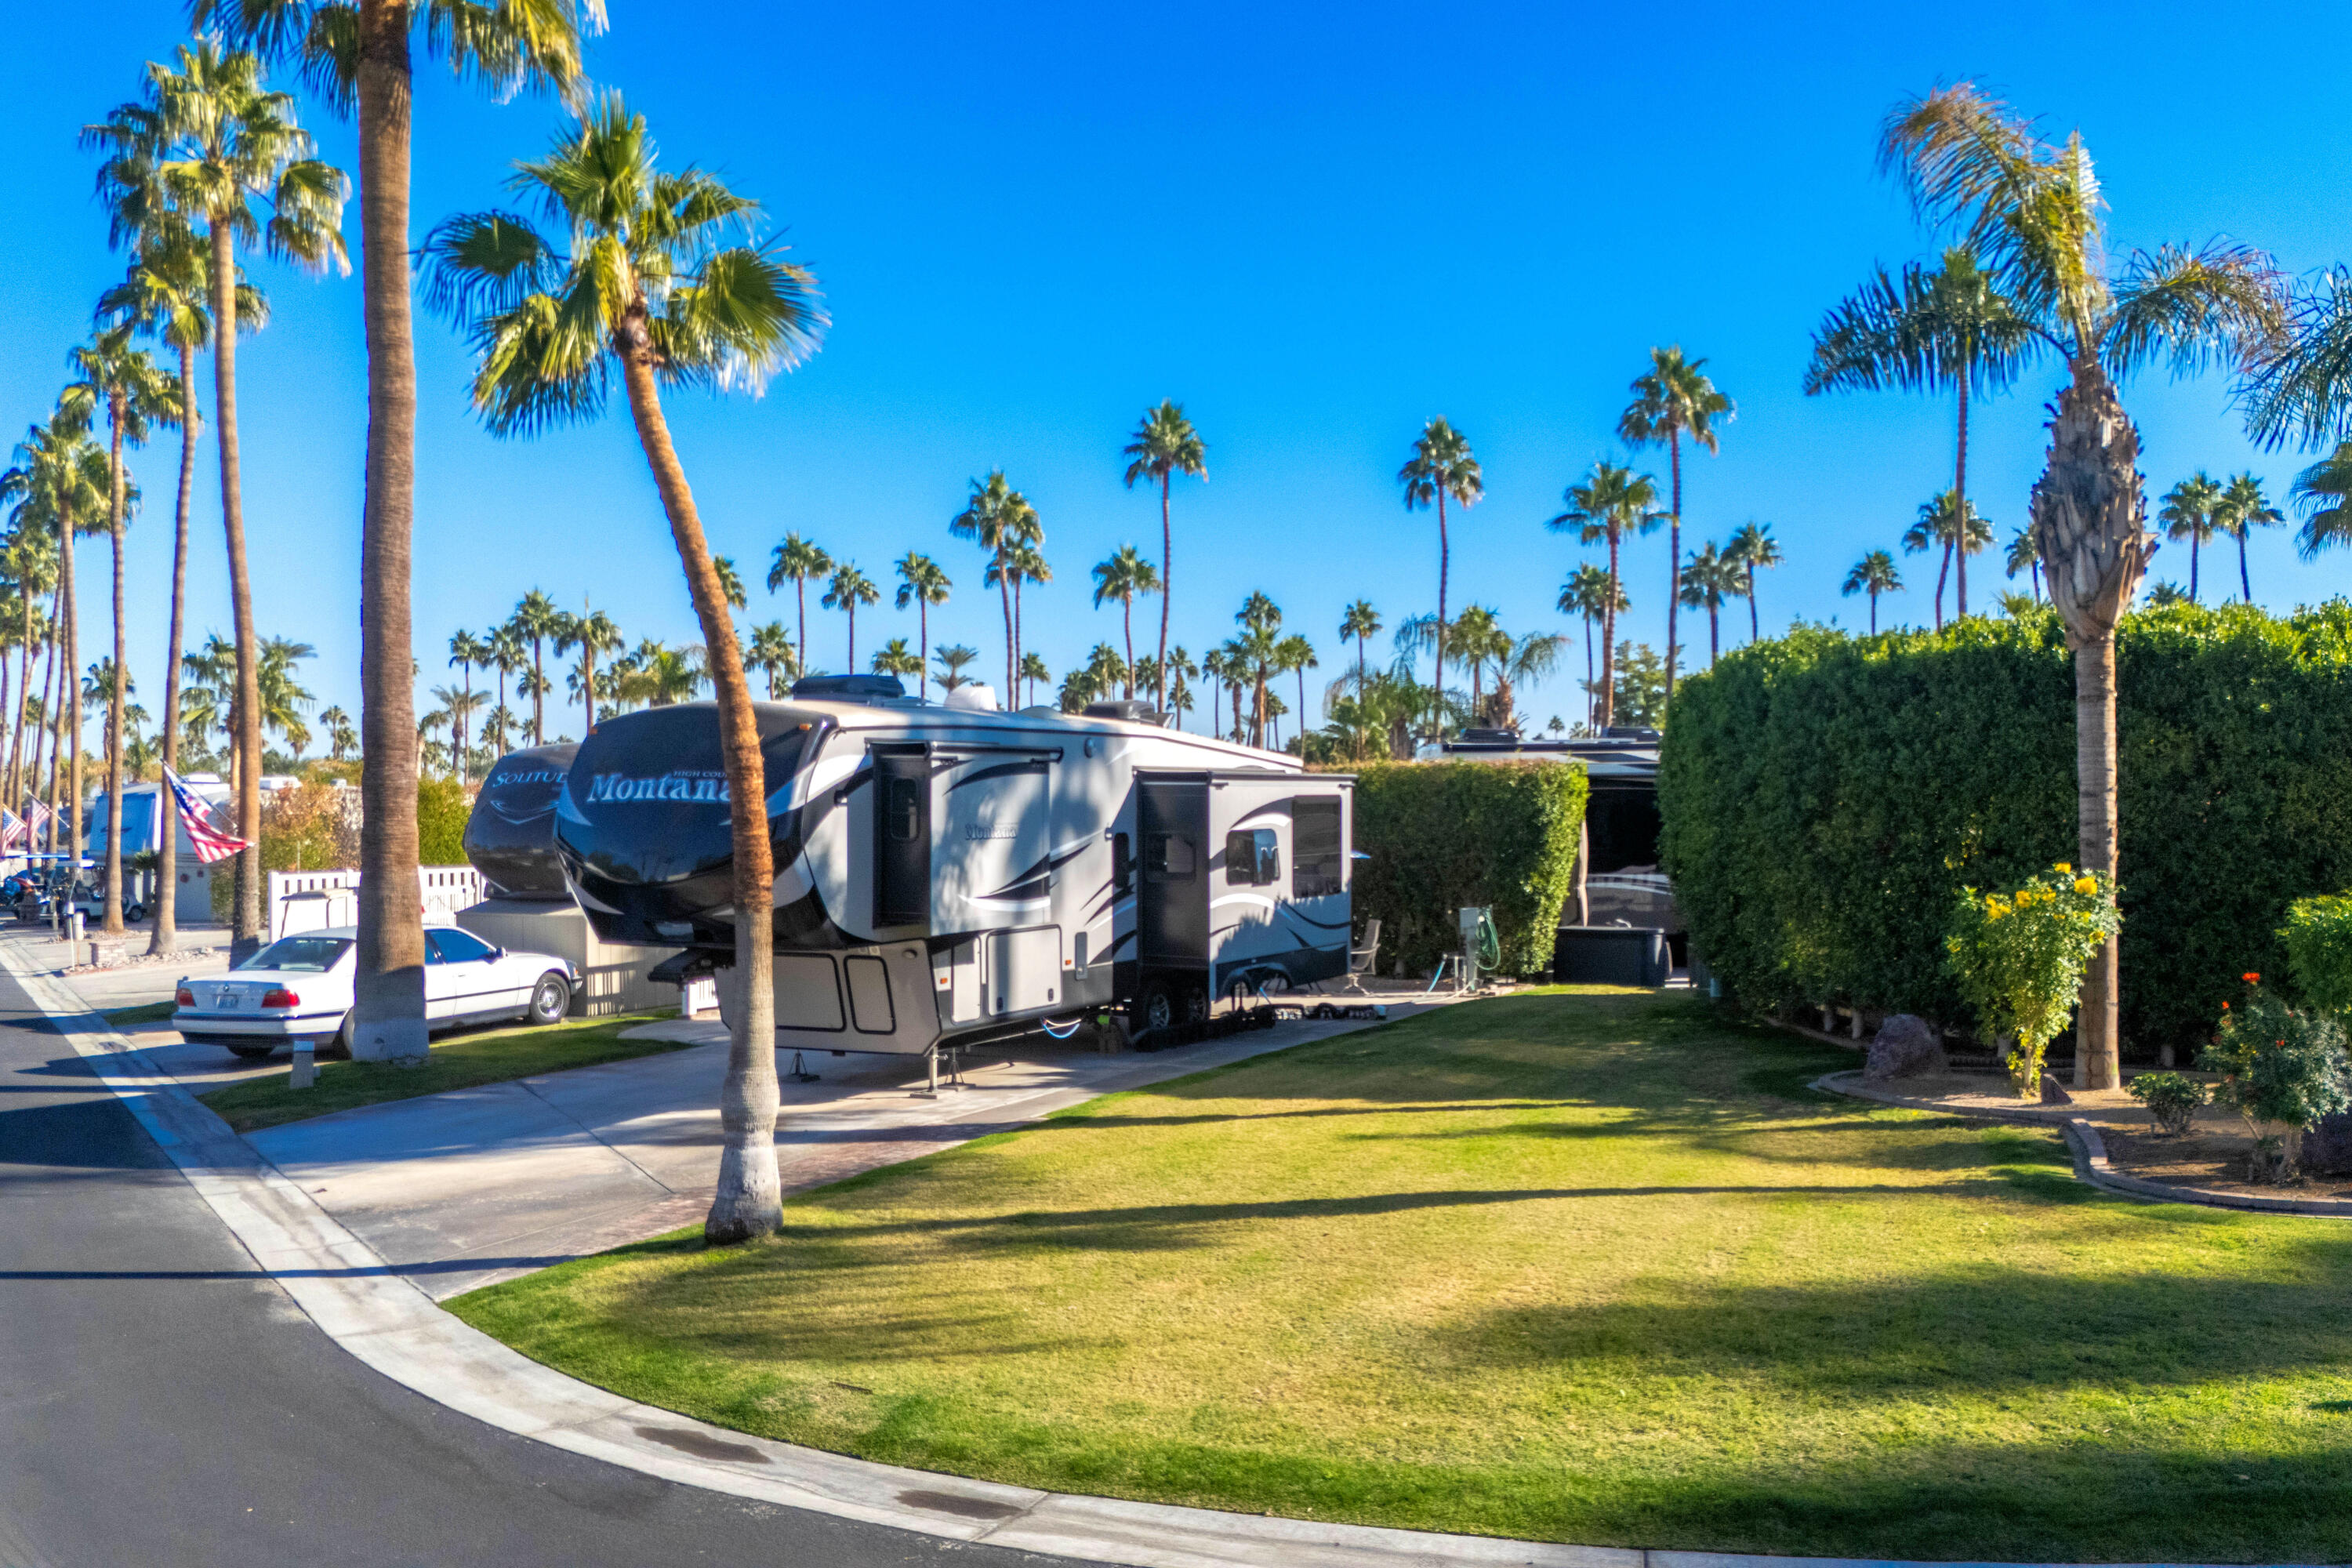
1824, 794
1443, 836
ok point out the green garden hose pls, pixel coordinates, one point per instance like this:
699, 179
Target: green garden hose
1490, 944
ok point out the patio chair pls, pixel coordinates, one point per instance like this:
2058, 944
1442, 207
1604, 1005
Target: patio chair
1360, 959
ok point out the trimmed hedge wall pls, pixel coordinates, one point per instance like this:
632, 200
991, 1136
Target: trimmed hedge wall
1824, 794
1442, 836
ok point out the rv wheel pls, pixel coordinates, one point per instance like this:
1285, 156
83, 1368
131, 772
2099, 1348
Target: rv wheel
1159, 1009
1196, 1006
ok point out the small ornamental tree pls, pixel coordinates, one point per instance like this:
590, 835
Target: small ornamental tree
2282, 1067
2318, 937
2020, 958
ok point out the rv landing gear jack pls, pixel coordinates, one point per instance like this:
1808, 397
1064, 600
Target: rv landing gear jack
800, 1073
931, 1089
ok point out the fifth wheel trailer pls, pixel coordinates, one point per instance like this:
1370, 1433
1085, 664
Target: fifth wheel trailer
947, 874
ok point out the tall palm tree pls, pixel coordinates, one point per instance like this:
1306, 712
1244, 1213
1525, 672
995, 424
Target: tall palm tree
466, 651
650, 287
1033, 671
342, 739
1294, 653
846, 590
590, 634
1441, 465
2022, 558
1874, 574
136, 393
2323, 493
2187, 512
1942, 526
953, 659
1603, 508
1530, 658
1122, 576
769, 651
167, 294
1672, 400
1360, 621
1946, 327
210, 138
922, 583
503, 651
1752, 546
991, 518
1473, 638
536, 620
1164, 445
898, 658
359, 54
2243, 509
1255, 653
29, 559
458, 707
1708, 580
2031, 211
796, 560
1594, 595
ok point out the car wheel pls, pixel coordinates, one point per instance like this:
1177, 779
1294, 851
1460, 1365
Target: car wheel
339, 1042
549, 999
136, 912
253, 1053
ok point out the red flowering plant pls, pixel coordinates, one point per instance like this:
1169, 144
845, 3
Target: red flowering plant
2282, 1067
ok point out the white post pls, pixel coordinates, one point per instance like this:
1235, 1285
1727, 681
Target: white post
306, 1064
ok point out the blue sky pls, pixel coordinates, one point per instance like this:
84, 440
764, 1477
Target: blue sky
1315, 227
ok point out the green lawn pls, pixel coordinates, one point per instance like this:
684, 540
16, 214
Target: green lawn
145, 1012
1580, 1266
458, 1061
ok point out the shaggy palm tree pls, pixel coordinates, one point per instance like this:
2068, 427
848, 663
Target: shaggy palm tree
993, 518
2323, 493
1475, 636
1948, 327
1441, 465
954, 659
458, 707
136, 394
1122, 576
1673, 400
1708, 579
342, 739
1594, 595
2162, 596
1025, 564
1874, 574
62, 484
1295, 654
359, 54
796, 560
921, 583
1530, 658
657, 276
1751, 547
466, 651
2188, 512
1164, 445
1032, 673
28, 560
503, 651
2031, 211
2021, 558
1360, 621
1614, 502
2243, 509
1943, 526
898, 658
537, 619
846, 590
210, 142
769, 651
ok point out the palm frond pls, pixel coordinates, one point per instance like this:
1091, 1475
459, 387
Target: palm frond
2221, 303
484, 264
2303, 392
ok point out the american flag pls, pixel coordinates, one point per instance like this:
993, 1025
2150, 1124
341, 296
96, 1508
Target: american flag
211, 843
11, 830
38, 818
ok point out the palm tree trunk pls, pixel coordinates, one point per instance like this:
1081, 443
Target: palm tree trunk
1961, 500
1754, 630
1127, 630
1302, 706
1609, 640
1673, 554
1943, 575
538, 694
1011, 671
923, 637
1444, 562
2193, 543
167, 805
247, 933
1167, 568
2096, 1063
1592, 697
587, 687
853, 636
389, 1000
748, 1203
1873, 612
2245, 585
1714, 643
68, 710
16, 801
113, 923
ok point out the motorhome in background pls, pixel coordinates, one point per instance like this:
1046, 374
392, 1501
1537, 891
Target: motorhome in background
143, 811
946, 873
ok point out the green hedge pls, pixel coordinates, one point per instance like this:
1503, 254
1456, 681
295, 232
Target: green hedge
1443, 836
1824, 794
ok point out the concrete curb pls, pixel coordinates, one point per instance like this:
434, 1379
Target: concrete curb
394, 1328
2090, 1152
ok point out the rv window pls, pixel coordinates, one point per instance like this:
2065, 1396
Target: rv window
1122, 866
1318, 855
906, 810
1253, 859
1168, 857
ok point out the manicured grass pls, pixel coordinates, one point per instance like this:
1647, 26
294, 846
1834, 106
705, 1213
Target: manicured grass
145, 1012
458, 1061
1579, 1267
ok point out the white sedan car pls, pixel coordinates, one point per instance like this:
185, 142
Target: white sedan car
300, 988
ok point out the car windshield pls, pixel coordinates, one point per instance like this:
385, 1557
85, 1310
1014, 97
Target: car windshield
312, 953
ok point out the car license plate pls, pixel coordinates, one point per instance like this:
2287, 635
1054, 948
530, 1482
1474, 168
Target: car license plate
229, 999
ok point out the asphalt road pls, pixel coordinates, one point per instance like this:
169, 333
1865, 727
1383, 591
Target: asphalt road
163, 1403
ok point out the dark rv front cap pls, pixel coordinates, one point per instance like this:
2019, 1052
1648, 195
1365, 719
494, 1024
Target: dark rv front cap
642, 823
511, 836
849, 688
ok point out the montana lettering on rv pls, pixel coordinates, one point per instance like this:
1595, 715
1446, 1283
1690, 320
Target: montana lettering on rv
672, 787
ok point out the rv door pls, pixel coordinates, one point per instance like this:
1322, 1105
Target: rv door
902, 836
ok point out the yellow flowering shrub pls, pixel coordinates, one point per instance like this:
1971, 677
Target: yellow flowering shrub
2020, 958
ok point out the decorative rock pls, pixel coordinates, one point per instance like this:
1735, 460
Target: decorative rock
2051, 1093
1906, 1047
2327, 1146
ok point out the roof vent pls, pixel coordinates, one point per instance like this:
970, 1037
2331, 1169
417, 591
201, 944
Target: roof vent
972, 696
1131, 709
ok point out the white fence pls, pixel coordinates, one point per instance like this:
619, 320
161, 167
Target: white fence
308, 900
